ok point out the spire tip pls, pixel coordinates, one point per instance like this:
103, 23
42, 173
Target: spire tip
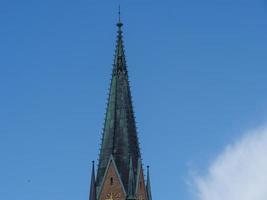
119, 24
119, 13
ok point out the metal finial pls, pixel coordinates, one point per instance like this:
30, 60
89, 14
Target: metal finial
147, 171
119, 13
93, 164
119, 24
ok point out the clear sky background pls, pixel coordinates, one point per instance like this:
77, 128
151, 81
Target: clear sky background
198, 72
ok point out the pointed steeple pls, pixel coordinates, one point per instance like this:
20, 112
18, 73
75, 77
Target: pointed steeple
93, 185
119, 135
148, 185
131, 185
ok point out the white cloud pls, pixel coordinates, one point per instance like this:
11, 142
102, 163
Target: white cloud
238, 173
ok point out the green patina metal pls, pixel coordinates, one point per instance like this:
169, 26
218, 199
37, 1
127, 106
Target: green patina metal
131, 184
119, 136
119, 143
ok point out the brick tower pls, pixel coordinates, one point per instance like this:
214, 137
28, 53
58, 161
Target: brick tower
120, 174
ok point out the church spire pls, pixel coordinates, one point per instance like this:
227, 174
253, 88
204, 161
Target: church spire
119, 138
120, 173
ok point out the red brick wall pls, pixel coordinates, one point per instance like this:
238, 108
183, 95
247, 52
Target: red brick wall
112, 187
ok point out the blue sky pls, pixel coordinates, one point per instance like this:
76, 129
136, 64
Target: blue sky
198, 75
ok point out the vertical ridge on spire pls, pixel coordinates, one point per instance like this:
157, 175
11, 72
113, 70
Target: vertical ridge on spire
131, 184
148, 185
93, 184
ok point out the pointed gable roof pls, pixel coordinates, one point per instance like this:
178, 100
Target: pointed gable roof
111, 163
119, 136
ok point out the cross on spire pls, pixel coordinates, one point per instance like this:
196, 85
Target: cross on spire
119, 24
119, 13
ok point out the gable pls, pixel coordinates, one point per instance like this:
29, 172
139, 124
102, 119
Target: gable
112, 188
140, 186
